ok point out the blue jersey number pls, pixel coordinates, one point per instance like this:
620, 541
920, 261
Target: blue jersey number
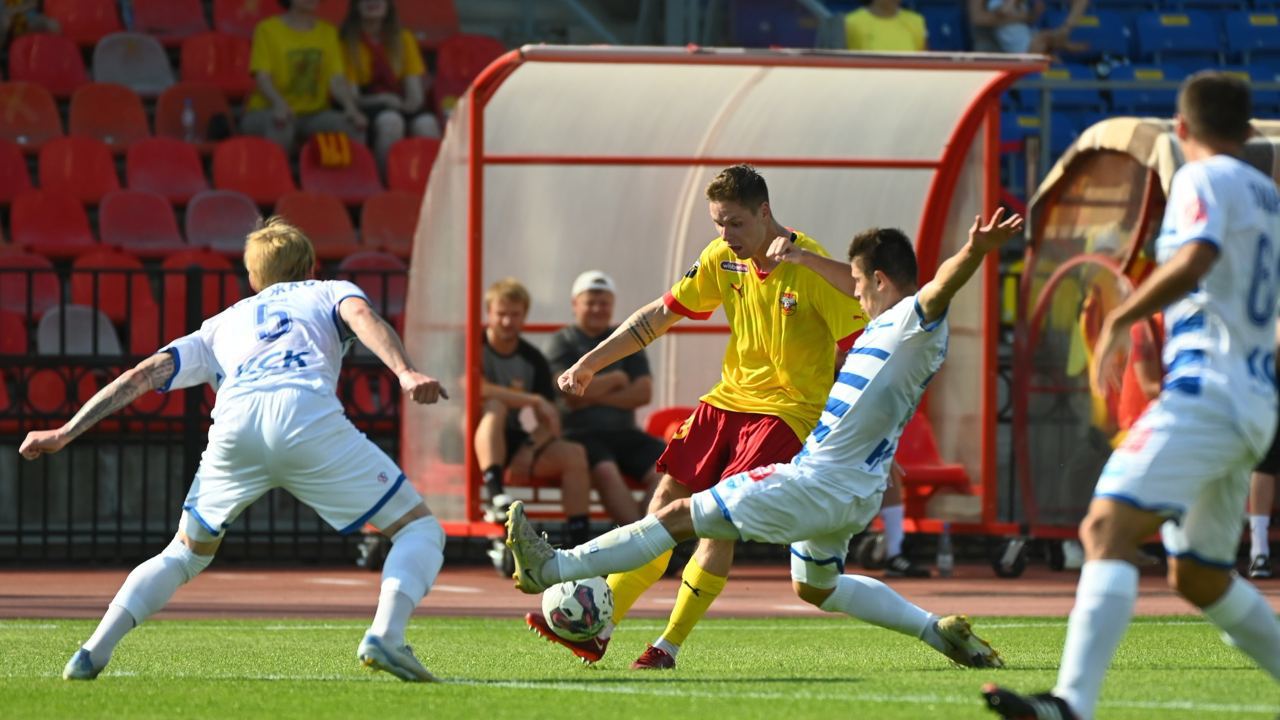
1262, 288
273, 324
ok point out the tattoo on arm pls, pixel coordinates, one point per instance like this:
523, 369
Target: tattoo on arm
150, 374
641, 330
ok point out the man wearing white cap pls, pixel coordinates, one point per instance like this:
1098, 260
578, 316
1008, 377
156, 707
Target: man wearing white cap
603, 420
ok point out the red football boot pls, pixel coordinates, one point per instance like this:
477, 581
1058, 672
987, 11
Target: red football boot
654, 659
589, 650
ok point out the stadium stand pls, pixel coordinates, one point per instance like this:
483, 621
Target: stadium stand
238, 17
76, 330
254, 166
81, 167
352, 181
165, 166
333, 11
219, 288
409, 164
213, 119
14, 178
431, 21
218, 59
388, 221
50, 60
139, 222
13, 333
383, 278
108, 112
1252, 37
113, 282
135, 60
30, 116
169, 21
458, 61
219, 220
1184, 37
324, 220
28, 284
85, 21
50, 223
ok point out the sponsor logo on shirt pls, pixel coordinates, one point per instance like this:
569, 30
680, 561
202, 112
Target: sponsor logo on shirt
760, 473
788, 301
732, 266
692, 271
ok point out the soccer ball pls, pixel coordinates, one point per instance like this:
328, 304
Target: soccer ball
578, 609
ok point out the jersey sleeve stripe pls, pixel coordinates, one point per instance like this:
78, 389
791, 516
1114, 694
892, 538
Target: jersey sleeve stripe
1187, 324
856, 381
360, 521
873, 352
344, 331
177, 367
929, 326
676, 307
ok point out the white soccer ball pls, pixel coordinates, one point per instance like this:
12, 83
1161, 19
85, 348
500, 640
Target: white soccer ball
579, 609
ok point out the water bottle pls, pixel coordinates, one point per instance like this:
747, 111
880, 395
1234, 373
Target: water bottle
188, 120
946, 560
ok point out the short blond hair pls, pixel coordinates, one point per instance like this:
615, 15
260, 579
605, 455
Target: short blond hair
507, 289
278, 252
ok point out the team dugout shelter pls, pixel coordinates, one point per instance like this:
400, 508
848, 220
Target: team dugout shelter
564, 159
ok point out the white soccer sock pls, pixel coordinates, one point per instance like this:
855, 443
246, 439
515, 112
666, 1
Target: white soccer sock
892, 518
1259, 545
667, 646
872, 601
619, 550
417, 552
1244, 615
1105, 597
114, 626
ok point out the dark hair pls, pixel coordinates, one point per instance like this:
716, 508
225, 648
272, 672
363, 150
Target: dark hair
740, 184
1216, 106
887, 250
352, 31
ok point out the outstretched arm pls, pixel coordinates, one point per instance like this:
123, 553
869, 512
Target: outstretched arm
379, 337
147, 375
643, 327
936, 294
835, 272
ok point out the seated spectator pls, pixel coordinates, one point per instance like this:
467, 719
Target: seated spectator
517, 380
883, 26
1009, 26
385, 67
18, 17
604, 418
297, 63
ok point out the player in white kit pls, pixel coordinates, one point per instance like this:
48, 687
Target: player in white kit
1184, 467
274, 359
832, 488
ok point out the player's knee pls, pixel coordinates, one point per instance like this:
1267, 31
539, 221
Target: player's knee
188, 559
1199, 584
494, 409
1100, 533
815, 596
199, 547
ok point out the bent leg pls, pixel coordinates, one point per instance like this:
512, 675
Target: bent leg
1235, 606
622, 549
630, 585
417, 552
703, 579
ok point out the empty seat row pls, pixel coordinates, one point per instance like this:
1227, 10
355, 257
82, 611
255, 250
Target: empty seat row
1133, 100
1200, 36
55, 224
84, 168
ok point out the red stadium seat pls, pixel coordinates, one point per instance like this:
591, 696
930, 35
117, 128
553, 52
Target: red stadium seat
382, 277
389, 220
254, 166
238, 17
458, 61
333, 11
207, 101
220, 219
169, 21
352, 184
219, 288
28, 115
140, 223
664, 422
23, 274
219, 60
111, 281
323, 219
85, 21
110, 113
168, 167
79, 166
51, 223
134, 60
409, 164
49, 60
14, 179
926, 473
13, 333
430, 20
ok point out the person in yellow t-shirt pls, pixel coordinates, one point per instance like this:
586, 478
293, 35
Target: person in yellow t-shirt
786, 327
296, 62
385, 67
883, 26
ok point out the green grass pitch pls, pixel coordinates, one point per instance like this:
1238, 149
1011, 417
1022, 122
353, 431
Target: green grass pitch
797, 668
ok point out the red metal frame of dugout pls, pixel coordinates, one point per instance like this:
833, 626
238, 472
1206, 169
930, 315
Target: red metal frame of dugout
982, 112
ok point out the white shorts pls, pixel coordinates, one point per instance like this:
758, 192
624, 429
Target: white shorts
300, 441
784, 505
1187, 461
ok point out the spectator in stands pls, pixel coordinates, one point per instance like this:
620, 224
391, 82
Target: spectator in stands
883, 26
18, 17
1009, 26
386, 70
297, 64
603, 419
516, 384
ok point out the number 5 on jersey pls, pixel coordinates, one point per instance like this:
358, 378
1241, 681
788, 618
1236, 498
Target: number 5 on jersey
273, 324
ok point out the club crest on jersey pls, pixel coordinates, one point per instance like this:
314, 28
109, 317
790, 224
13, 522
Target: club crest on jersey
788, 302
732, 266
1193, 212
693, 270
683, 430
382, 478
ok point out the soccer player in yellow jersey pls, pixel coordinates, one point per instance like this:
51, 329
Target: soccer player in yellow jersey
786, 325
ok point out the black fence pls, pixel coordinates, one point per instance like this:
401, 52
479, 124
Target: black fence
115, 495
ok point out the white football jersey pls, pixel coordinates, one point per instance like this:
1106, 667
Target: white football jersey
874, 396
288, 335
1220, 339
